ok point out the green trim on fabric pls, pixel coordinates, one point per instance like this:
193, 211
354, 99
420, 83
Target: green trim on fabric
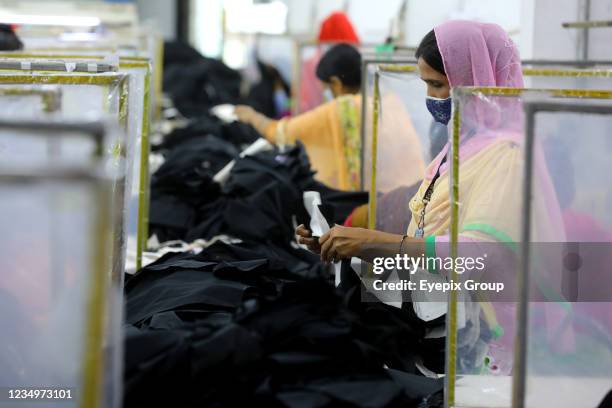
493, 232
501, 236
430, 252
349, 120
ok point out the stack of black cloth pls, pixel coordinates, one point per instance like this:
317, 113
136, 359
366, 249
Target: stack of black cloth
258, 325
196, 83
259, 202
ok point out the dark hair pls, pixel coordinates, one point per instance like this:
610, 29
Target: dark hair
343, 61
8, 39
429, 51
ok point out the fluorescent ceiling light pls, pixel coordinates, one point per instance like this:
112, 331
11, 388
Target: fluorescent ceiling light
22, 19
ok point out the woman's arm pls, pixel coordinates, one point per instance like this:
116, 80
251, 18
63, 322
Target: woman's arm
345, 243
308, 127
260, 122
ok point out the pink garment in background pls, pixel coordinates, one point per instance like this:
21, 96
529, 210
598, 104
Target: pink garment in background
311, 90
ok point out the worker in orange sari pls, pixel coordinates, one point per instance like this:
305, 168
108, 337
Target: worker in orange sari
330, 132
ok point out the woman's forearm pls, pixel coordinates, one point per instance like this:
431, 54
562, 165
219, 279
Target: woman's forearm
387, 245
261, 123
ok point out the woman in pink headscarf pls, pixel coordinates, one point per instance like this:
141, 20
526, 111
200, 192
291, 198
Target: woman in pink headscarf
460, 54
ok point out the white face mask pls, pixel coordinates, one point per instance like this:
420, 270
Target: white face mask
328, 95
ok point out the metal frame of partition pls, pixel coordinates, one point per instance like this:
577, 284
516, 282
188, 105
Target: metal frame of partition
451, 332
92, 367
568, 63
144, 192
531, 108
124, 63
56, 66
105, 80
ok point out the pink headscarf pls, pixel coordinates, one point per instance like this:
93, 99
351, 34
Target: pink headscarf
482, 55
478, 54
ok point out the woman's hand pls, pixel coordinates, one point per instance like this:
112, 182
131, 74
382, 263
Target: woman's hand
245, 114
305, 238
250, 116
345, 242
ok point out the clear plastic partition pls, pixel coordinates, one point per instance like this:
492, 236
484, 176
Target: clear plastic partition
403, 139
82, 94
61, 307
136, 97
485, 179
306, 87
486, 176
32, 144
30, 101
402, 80
567, 353
370, 66
23, 147
140, 94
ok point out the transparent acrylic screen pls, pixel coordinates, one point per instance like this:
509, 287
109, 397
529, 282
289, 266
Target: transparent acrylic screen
47, 248
408, 139
570, 357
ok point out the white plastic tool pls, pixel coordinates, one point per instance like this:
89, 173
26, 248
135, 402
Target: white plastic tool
318, 224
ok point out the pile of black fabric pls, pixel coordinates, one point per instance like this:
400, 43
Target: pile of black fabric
261, 95
257, 325
196, 83
258, 202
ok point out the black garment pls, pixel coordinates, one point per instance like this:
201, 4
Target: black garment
258, 325
9, 41
430, 352
179, 53
237, 133
607, 401
198, 86
184, 183
220, 278
259, 202
261, 95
